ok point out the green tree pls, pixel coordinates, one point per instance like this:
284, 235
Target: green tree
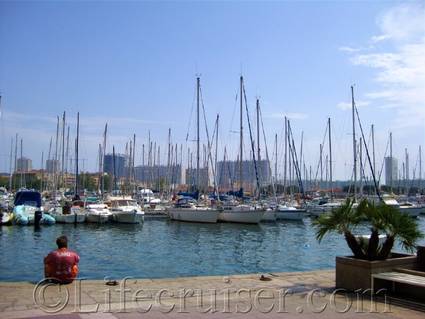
381, 218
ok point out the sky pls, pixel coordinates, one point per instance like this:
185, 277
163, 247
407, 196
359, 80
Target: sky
134, 65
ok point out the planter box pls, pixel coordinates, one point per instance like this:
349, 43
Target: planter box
352, 273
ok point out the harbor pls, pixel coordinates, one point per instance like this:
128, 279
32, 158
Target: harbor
161, 248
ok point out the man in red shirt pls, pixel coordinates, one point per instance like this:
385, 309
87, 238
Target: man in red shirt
61, 264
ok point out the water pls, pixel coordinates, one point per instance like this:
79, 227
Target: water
163, 248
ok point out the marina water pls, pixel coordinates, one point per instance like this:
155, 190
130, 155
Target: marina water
160, 248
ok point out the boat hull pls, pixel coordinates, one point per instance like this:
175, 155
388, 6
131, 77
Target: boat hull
25, 215
97, 218
127, 217
70, 218
297, 214
194, 215
414, 211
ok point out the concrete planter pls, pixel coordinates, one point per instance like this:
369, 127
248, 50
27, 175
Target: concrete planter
352, 273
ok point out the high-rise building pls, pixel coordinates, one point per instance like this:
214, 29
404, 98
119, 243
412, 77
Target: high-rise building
120, 164
23, 164
391, 171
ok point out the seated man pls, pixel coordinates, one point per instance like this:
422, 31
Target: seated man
61, 264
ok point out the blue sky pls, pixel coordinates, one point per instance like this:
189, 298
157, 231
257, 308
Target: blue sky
133, 65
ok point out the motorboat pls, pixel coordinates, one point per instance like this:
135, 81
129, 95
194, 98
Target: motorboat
241, 213
26, 204
126, 210
98, 213
407, 208
188, 210
290, 212
318, 210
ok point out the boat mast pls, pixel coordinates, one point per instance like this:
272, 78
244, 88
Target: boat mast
258, 130
76, 155
361, 166
391, 161
216, 155
321, 165
241, 136
132, 163
49, 158
56, 166
22, 168
373, 148
63, 149
67, 151
114, 170
354, 143
330, 156
285, 158
300, 164
275, 159
16, 155
197, 137
11, 167
42, 171
420, 166
102, 161
168, 178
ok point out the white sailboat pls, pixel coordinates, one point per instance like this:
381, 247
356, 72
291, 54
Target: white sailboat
186, 209
241, 213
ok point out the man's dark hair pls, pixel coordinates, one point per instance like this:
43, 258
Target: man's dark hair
62, 242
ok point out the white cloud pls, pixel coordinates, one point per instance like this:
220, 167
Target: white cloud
404, 22
347, 105
400, 67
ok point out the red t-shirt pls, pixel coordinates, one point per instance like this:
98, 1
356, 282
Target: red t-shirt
61, 264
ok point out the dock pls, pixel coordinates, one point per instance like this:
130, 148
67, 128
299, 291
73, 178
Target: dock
270, 295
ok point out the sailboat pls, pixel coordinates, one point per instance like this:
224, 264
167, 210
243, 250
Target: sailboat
187, 209
69, 212
239, 212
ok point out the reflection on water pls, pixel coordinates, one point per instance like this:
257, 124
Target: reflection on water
163, 248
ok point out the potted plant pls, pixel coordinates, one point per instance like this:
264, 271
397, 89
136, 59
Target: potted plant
369, 255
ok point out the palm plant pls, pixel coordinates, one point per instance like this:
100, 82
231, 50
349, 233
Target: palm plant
381, 218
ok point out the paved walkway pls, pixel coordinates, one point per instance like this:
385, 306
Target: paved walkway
280, 295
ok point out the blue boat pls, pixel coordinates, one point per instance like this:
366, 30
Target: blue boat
26, 204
